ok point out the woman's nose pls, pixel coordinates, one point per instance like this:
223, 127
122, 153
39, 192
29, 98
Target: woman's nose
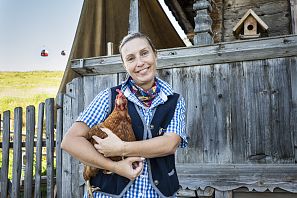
139, 62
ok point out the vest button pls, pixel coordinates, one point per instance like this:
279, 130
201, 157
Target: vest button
156, 182
152, 126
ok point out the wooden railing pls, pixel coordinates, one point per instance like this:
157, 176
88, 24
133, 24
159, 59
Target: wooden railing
50, 116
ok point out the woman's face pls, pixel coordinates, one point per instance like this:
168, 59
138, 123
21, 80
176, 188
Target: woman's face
140, 61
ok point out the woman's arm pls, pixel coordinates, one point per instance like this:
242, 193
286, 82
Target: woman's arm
155, 147
75, 143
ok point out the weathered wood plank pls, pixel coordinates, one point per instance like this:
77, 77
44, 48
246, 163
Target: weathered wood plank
17, 152
66, 160
222, 113
187, 82
281, 106
166, 75
134, 17
102, 82
293, 4
72, 106
225, 177
238, 124
49, 113
217, 16
94, 84
5, 154
293, 114
88, 90
30, 133
256, 105
264, 48
38, 166
59, 136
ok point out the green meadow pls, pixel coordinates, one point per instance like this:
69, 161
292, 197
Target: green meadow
21, 89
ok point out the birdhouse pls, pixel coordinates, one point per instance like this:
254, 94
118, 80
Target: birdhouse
250, 26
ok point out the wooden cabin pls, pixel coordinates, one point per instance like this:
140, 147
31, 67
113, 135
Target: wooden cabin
241, 95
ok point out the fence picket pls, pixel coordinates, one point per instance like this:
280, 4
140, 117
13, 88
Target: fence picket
49, 112
30, 132
5, 154
38, 167
17, 152
59, 136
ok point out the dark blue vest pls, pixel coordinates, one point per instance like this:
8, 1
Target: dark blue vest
162, 170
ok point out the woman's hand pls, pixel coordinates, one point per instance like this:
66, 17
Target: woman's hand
131, 167
110, 146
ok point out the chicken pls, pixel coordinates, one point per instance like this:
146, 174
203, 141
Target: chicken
119, 122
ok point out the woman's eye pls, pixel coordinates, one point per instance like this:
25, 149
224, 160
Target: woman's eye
144, 53
130, 59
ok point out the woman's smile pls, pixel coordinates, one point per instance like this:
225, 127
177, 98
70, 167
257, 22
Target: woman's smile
140, 62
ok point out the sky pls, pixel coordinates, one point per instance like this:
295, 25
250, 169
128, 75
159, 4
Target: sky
27, 27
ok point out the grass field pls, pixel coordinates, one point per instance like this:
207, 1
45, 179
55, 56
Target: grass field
20, 89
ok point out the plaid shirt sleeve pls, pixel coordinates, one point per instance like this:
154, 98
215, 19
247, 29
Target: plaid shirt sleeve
97, 111
178, 122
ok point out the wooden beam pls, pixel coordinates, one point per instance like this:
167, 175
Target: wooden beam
242, 50
227, 177
134, 17
294, 16
181, 16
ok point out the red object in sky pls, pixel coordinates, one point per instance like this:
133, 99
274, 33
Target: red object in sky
44, 53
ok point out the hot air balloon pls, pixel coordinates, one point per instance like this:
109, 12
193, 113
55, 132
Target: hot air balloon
63, 53
44, 53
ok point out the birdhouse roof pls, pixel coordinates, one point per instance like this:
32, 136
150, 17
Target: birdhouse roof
249, 12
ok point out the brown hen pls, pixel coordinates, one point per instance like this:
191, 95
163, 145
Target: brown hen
119, 122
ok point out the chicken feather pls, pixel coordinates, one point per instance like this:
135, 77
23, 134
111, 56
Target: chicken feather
119, 122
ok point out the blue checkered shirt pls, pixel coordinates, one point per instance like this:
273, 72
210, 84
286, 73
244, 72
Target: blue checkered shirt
98, 110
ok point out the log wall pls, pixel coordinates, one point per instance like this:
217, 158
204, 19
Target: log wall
241, 102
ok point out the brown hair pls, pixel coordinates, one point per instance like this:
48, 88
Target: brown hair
132, 36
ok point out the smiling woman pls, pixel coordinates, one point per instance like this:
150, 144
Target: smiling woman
158, 122
140, 59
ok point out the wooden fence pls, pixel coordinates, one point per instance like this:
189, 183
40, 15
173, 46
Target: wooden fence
49, 121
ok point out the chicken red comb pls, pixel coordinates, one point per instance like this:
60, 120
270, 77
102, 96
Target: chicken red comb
120, 92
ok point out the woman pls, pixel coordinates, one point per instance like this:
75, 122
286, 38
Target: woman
155, 175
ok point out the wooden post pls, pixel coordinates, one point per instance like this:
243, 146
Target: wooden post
59, 137
203, 22
294, 16
30, 133
134, 17
5, 154
38, 167
17, 152
109, 48
49, 113
223, 194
